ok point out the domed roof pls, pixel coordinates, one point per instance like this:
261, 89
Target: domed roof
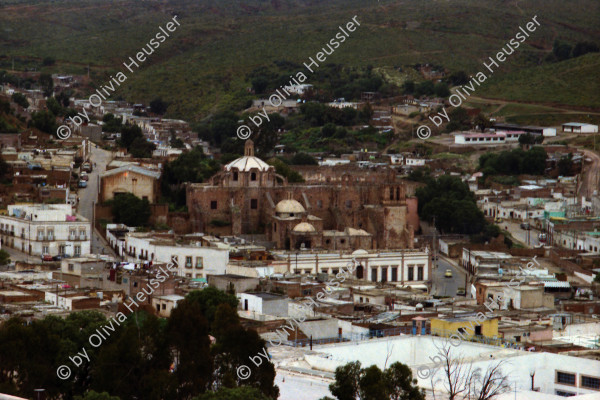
360, 252
247, 163
289, 206
304, 227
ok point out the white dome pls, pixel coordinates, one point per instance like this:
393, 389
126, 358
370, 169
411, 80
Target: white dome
304, 227
289, 206
247, 163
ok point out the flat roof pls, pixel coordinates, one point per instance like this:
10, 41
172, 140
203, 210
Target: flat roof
267, 296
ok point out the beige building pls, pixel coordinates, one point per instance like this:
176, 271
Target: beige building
133, 179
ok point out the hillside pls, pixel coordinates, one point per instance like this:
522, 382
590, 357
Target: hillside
203, 67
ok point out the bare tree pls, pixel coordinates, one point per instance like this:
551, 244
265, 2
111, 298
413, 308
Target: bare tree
491, 384
464, 382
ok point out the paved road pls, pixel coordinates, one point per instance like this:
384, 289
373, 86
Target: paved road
442, 286
88, 196
590, 176
521, 234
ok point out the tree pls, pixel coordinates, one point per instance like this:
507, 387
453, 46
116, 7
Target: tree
400, 383
260, 84
238, 393
441, 90
303, 159
284, 170
130, 210
48, 61
45, 121
565, 165
462, 381
347, 378
408, 87
188, 332
20, 99
112, 123
158, 106
129, 133
4, 257
92, 395
561, 50
141, 148
47, 84
482, 122
209, 299
175, 142
458, 78
582, 48
371, 384
597, 278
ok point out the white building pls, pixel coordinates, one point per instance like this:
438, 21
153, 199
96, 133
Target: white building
409, 267
298, 89
488, 138
579, 127
39, 229
265, 303
193, 260
555, 374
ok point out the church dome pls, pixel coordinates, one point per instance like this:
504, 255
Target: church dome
304, 227
360, 252
249, 161
289, 206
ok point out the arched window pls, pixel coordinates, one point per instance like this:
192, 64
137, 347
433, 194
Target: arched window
253, 176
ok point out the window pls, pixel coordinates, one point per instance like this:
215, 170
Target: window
253, 176
188, 275
253, 204
411, 273
565, 378
188, 262
77, 251
71, 267
40, 234
373, 274
82, 234
420, 273
164, 306
158, 308
361, 300
589, 382
394, 274
199, 262
319, 203
348, 203
72, 233
274, 226
384, 274
45, 250
235, 176
50, 233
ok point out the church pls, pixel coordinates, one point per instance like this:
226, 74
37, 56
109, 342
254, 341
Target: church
343, 211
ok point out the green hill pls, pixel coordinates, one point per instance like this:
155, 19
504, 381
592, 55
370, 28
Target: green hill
203, 67
573, 82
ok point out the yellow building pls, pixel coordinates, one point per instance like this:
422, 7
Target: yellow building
465, 327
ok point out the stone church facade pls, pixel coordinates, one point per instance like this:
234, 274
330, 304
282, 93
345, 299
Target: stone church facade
344, 212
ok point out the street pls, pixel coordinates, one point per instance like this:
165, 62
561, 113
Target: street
442, 286
519, 234
89, 195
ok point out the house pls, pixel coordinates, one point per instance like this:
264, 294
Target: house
237, 283
139, 181
164, 305
579, 127
465, 326
192, 259
40, 229
265, 303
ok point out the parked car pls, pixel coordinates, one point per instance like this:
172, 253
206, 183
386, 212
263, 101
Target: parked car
525, 226
87, 167
84, 177
498, 220
461, 291
47, 257
57, 258
82, 184
448, 273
